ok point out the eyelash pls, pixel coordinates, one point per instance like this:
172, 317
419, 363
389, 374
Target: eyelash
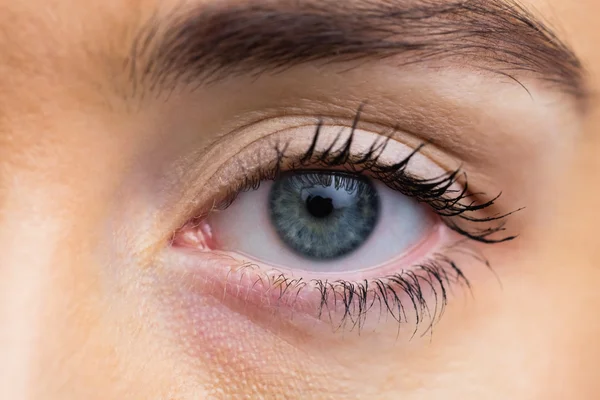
358, 298
438, 274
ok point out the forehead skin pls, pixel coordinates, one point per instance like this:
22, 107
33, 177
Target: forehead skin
60, 75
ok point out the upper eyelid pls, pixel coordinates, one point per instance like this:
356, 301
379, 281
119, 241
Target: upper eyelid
199, 169
256, 153
203, 175
436, 190
343, 121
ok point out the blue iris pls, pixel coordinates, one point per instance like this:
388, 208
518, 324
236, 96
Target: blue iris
323, 215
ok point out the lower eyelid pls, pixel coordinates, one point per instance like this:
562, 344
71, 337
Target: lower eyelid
311, 298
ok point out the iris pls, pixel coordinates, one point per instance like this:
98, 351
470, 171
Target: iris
323, 215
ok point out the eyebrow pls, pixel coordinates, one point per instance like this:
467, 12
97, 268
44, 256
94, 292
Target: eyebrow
205, 44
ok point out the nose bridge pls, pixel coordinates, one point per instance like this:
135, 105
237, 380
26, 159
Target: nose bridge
58, 173
42, 253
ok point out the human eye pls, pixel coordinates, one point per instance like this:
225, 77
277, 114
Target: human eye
335, 224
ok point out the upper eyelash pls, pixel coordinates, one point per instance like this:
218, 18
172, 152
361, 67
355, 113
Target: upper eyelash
436, 192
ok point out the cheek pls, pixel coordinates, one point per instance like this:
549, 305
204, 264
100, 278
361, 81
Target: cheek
244, 351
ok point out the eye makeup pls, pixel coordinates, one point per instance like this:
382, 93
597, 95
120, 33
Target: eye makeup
411, 287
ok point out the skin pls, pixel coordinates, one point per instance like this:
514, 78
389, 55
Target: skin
90, 304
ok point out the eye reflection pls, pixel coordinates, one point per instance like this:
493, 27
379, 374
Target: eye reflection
323, 215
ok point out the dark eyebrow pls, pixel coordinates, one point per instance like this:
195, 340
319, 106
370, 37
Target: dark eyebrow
204, 44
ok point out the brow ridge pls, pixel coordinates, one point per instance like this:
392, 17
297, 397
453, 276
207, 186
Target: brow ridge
208, 43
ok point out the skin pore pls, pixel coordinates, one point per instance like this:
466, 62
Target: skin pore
121, 121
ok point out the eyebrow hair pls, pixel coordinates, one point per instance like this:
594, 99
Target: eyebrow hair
207, 43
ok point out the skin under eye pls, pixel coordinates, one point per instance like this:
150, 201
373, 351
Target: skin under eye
322, 221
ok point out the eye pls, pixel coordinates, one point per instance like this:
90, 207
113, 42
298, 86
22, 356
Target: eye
338, 222
322, 221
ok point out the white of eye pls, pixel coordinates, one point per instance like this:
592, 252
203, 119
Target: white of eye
246, 229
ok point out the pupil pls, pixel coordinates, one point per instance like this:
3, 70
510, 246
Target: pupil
319, 207
323, 215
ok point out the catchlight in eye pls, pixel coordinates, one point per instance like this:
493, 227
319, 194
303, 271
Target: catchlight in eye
323, 215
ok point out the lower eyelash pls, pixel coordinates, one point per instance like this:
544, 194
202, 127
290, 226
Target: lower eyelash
415, 296
358, 298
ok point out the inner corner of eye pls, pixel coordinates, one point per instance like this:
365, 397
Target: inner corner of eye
195, 234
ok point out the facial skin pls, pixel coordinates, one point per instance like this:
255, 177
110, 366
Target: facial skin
101, 164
